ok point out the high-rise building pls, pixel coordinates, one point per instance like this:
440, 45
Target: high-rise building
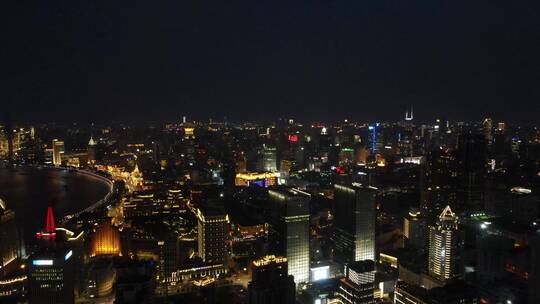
471, 163
376, 139
488, 130
51, 277
270, 282
354, 223
444, 247
269, 159
291, 224
414, 230
212, 232
169, 247
58, 150
409, 116
8, 237
358, 284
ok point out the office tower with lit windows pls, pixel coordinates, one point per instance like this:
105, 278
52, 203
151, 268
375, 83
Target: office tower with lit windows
414, 230
291, 225
270, 282
58, 150
212, 233
8, 237
169, 248
444, 247
51, 277
376, 140
269, 159
358, 283
354, 223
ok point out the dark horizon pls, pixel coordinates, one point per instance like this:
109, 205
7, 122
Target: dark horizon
310, 60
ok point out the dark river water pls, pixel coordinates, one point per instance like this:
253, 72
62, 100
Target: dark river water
29, 191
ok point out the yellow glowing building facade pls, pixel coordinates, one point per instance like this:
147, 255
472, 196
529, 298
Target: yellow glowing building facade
106, 241
134, 180
264, 179
57, 151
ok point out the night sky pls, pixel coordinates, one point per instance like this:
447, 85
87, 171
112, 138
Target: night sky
253, 60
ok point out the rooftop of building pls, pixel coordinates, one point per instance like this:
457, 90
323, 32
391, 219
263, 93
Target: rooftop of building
355, 186
362, 266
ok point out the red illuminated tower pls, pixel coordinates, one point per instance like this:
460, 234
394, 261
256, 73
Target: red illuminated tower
50, 228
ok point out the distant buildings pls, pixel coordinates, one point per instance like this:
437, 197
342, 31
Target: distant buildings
270, 282
444, 247
354, 223
291, 224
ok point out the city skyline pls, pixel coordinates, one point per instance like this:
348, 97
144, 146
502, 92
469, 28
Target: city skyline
266, 152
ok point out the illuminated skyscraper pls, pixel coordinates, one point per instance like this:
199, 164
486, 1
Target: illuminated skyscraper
292, 227
444, 246
376, 139
8, 237
354, 223
58, 150
358, 284
409, 115
212, 233
269, 159
51, 277
270, 282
